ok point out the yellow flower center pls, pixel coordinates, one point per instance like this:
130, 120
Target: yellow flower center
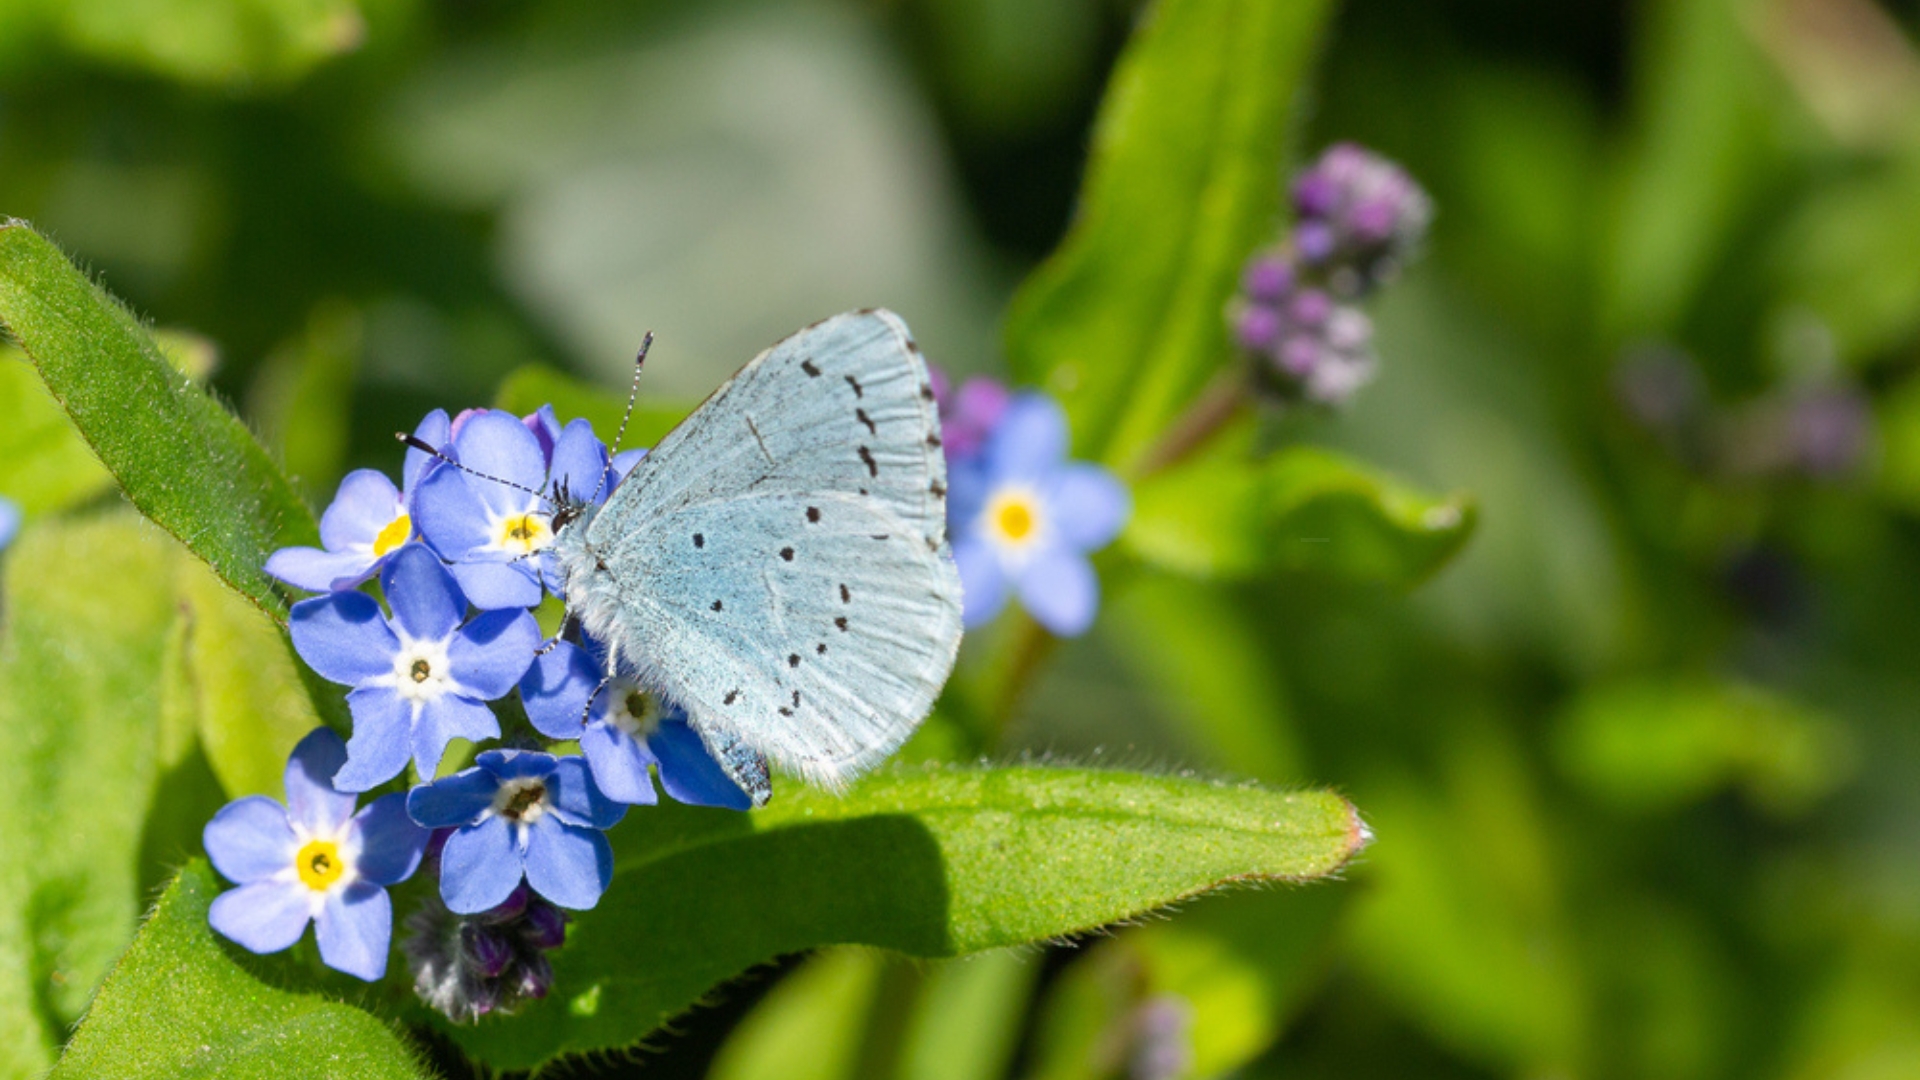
319, 865
525, 533
397, 532
1013, 516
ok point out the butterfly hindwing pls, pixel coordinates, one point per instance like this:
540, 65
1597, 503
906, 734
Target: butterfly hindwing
778, 563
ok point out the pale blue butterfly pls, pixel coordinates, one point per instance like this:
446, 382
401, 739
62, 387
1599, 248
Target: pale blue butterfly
778, 564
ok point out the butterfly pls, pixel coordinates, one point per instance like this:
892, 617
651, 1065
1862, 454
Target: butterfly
778, 564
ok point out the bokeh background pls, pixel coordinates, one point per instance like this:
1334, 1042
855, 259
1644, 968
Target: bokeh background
1644, 760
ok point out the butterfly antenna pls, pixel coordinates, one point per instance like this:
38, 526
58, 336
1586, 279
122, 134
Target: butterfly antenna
421, 444
633, 394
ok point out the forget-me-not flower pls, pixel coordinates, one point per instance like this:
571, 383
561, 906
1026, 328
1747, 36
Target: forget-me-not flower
519, 814
420, 678
1024, 518
494, 533
628, 730
368, 520
9, 521
313, 860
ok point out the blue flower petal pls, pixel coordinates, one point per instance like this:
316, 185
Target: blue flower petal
250, 840
625, 460
555, 690
567, 864
1031, 439
343, 637
620, 766
1086, 505
448, 717
688, 771
321, 571
983, 584
354, 928
580, 465
312, 801
576, 799
493, 585
389, 841
381, 742
479, 867
365, 503
498, 445
452, 800
436, 431
264, 916
514, 764
545, 425
9, 521
1059, 589
427, 603
448, 515
489, 654
968, 487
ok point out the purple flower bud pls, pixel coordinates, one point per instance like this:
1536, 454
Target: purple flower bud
1314, 194
535, 978
1310, 309
1299, 355
1348, 329
1267, 279
545, 926
485, 949
1314, 241
1257, 327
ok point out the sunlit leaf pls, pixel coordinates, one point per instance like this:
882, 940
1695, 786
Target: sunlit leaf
1125, 322
178, 1005
80, 700
182, 458
1302, 510
44, 464
929, 862
219, 42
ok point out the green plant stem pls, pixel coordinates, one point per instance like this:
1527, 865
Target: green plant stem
1223, 398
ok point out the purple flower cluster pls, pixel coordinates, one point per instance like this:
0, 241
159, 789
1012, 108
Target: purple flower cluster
1023, 518
460, 555
1358, 219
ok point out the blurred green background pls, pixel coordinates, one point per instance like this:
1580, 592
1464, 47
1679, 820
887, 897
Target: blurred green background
1642, 761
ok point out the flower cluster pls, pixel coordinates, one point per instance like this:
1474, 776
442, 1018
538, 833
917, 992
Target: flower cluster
1358, 219
460, 556
1023, 518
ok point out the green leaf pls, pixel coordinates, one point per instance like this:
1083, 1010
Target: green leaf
250, 703
966, 1024
228, 43
530, 387
44, 465
182, 458
1658, 744
80, 697
179, 1005
1126, 321
809, 1027
929, 862
1301, 509
302, 399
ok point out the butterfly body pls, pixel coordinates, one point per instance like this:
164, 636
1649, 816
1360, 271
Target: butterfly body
778, 564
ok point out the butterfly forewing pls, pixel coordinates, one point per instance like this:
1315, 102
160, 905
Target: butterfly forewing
778, 563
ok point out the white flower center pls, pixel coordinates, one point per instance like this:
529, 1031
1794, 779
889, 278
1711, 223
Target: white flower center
633, 710
522, 800
421, 672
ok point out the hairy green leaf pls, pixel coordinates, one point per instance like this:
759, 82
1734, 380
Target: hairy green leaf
530, 387
1302, 509
179, 1005
930, 862
1126, 321
80, 679
182, 458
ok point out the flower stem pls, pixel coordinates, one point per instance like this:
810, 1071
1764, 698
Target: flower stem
1222, 400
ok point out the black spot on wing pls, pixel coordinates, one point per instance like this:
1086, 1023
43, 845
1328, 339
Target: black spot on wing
939, 489
807, 366
699, 540
716, 605
873, 467
813, 514
845, 596
861, 415
786, 553
821, 648
855, 383
841, 623
731, 696
793, 659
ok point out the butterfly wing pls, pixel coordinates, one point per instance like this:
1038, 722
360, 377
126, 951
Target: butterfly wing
778, 564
